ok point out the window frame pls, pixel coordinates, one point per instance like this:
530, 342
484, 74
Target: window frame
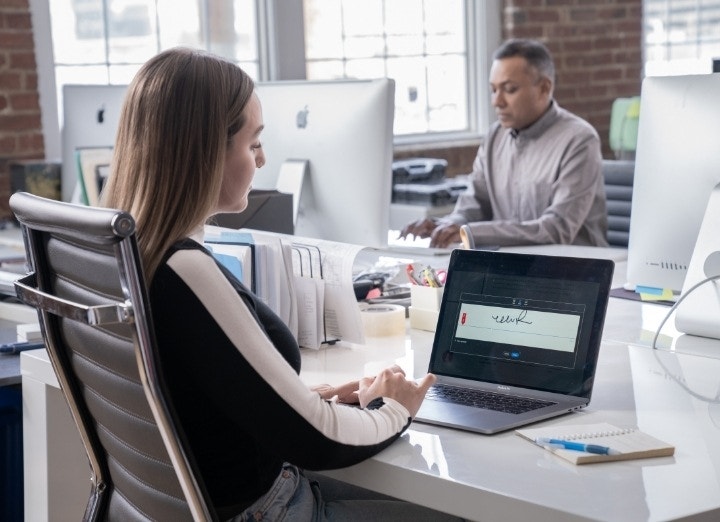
281, 57
671, 15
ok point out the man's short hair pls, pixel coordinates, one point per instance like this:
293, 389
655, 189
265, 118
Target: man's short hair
534, 52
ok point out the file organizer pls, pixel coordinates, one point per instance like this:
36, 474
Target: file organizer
306, 282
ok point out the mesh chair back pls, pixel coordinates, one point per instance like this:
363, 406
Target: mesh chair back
88, 287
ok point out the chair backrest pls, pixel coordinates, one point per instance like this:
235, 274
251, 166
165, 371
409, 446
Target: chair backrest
86, 281
618, 176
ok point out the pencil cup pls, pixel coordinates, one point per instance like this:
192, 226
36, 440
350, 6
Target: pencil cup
424, 307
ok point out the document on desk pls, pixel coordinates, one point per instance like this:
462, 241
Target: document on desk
307, 282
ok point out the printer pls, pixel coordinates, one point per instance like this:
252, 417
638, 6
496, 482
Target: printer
422, 181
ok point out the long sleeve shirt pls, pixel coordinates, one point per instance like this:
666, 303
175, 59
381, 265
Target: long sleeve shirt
232, 370
540, 185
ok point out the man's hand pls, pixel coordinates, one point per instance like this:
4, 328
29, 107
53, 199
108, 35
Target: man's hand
420, 228
445, 235
441, 235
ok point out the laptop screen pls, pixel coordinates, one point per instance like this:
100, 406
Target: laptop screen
523, 320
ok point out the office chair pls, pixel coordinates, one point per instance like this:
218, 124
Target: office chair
86, 281
618, 177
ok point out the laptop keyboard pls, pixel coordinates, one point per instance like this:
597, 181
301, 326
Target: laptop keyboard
485, 399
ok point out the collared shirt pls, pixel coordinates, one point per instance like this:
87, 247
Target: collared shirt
540, 185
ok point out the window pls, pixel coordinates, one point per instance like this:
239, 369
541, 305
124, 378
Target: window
681, 36
106, 41
437, 51
421, 44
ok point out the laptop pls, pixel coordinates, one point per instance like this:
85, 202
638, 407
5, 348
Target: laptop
522, 329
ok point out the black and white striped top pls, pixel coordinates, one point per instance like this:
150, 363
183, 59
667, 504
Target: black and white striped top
232, 368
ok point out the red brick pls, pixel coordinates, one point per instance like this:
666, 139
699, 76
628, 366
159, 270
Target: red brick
31, 82
10, 81
19, 123
31, 143
559, 3
18, 21
24, 60
607, 74
7, 145
16, 40
583, 15
26, 101
543, 15
22, 4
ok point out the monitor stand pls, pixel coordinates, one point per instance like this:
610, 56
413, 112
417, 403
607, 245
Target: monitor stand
699, 313
290, 180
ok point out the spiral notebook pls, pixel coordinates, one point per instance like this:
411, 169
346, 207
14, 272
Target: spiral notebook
631, 443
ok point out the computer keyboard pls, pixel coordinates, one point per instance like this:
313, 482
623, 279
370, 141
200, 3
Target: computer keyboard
485, 399
415, 245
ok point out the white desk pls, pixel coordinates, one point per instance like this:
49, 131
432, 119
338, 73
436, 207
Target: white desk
503, 477
673, 394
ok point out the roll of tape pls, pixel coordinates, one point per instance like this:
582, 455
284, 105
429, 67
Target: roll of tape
383, 320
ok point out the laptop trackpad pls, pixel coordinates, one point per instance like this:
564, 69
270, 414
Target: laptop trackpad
465, 417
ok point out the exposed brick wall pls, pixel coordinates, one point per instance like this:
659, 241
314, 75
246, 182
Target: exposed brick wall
597, 48
21, 135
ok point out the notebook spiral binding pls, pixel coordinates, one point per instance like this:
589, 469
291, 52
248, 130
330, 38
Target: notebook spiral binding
592, 435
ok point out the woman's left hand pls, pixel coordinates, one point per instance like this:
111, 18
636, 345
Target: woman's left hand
346, 393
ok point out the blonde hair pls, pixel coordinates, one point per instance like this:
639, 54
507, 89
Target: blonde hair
179, 114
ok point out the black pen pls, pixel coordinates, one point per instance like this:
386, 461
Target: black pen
14, 348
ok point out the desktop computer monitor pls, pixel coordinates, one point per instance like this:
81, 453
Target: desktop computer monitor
677, 166
342, 131
91, 114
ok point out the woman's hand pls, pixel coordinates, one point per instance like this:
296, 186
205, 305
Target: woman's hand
394, 385
346, 393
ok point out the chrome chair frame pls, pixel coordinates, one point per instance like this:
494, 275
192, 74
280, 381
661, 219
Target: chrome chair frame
87, 283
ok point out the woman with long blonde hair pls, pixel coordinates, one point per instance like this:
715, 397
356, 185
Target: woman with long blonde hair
187, 148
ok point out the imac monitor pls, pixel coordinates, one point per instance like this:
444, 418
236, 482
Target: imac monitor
342, 131
677, 166
91, 114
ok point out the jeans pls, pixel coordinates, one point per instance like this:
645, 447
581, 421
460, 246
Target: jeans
295, 497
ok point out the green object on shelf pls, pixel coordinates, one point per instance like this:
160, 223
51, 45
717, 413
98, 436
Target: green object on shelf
624, 120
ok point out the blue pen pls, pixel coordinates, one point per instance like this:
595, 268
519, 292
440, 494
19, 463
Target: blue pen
576, 446
14, 348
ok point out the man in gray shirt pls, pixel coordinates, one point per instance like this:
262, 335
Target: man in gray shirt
537, 177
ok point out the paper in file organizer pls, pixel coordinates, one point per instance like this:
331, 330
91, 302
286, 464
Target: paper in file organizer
306, 281
267, 263
238, 258
310, 291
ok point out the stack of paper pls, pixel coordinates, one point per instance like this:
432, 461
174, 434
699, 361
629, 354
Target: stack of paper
307, 282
